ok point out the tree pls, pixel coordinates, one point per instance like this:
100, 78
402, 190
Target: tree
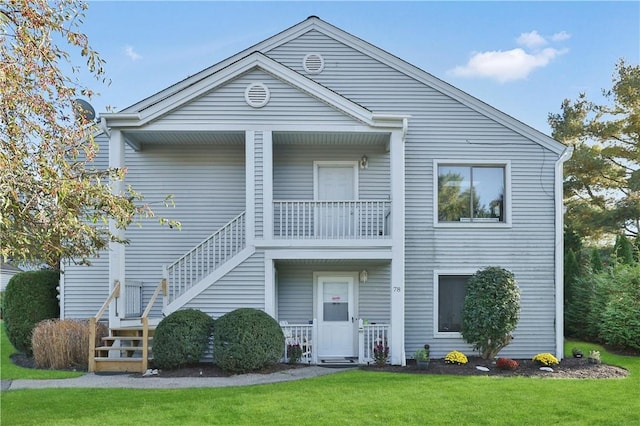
490, 311
55, 203
602, 179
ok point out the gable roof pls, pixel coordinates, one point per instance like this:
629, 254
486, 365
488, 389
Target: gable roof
315, 23
147, 112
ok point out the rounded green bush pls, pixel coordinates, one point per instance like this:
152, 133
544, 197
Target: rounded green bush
246, 340
490, 311
29, 298
181, 338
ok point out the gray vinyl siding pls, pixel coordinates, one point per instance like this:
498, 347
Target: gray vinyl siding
87, 287
208, 185
259, 186
295, 291
293, 169
442, 128
243, 287
226, 105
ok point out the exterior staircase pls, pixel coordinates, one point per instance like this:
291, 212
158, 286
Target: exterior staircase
126, 349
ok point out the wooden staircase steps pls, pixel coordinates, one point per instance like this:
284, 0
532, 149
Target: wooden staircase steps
123, 351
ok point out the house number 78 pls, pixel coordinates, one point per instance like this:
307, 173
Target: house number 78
396, 289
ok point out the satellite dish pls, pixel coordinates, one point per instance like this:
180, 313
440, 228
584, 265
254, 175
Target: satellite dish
83, 109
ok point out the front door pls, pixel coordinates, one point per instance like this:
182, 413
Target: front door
336, 316
335, 184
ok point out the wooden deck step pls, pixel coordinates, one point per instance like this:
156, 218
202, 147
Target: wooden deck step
121, 365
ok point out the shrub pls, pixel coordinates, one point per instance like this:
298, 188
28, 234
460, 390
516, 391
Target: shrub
30, 297
61, 344
294, 353
455, 357
507, 364
619, 323
181, 338
546, 359
490, 311
246, 340
381, 353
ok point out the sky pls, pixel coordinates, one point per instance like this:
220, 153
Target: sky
523, 58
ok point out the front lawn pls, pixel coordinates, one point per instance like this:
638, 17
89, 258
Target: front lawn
351, 397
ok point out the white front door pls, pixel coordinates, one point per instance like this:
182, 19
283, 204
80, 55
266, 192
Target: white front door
336, 316
336, 183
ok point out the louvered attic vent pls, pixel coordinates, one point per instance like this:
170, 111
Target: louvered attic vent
313, 63
257, 95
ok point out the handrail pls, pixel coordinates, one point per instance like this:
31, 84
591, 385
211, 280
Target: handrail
94, 320
210, 237
161, 287
206, 257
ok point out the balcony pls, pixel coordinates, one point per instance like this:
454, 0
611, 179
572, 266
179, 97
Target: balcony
335, 220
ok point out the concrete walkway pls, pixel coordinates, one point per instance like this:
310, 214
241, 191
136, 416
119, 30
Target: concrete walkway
91, 380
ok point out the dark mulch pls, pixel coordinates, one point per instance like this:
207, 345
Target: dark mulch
570, 368
574, 368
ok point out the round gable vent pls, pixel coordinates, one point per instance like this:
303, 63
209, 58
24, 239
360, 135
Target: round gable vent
313, 63
257, 95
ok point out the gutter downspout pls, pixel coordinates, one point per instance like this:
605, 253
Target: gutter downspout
559, 251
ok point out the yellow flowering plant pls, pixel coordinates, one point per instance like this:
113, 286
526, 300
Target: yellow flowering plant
546, 359
455, 357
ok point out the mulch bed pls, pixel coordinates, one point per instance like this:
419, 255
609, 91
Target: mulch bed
569, 368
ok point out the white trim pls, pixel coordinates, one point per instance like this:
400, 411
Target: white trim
436, 293
312, 254
309, 126
270, 299
116, 250
559, 251
397, 296
250, 187
508, 210
343, 164
62, 290
326, 243
267, 185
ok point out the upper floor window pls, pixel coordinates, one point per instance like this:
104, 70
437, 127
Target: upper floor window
472, 193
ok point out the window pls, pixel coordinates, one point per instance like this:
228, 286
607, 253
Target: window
450, 291
472, 193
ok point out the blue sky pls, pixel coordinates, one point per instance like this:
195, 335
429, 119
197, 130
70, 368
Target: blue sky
523, 58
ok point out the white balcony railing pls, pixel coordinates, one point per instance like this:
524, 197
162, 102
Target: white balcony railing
367, 219
370, 335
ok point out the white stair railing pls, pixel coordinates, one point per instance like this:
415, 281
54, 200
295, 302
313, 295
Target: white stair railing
349, 219
206, 257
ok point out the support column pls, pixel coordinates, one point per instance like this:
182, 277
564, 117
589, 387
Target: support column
116, 250
267, 185
250, 187
397, 237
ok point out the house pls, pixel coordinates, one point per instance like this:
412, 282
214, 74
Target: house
7, 271
344, 191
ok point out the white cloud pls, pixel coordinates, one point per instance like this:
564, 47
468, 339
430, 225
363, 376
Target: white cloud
514, 64
128, 50
531, 40
507, 65
561, 36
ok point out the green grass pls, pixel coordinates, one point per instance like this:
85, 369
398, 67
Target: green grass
10, 371
352, 397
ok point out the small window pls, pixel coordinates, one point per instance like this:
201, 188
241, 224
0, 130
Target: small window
471, 193
451, 290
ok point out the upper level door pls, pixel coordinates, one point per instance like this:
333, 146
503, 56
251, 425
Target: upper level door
336, 183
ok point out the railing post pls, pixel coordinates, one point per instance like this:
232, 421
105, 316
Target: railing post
165, 287
314, 340
145, 343
92, 345
360, 342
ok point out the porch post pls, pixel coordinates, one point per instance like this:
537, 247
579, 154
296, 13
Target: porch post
116, 250
269, 286
250, 185
267, 184
397, 257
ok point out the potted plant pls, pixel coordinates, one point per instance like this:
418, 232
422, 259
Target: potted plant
594, 357
422, 357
